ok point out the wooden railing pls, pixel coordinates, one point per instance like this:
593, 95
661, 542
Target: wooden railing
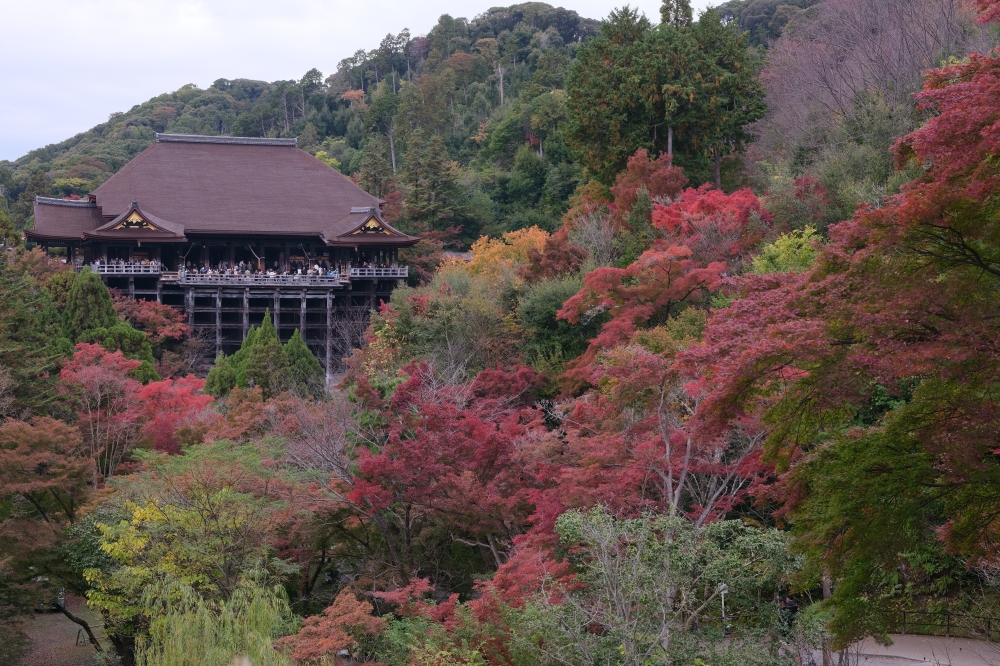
124, 268
395, 272
191, 277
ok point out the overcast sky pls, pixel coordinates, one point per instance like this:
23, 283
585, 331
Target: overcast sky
67, 64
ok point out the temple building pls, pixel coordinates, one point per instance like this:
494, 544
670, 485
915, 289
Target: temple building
227, 228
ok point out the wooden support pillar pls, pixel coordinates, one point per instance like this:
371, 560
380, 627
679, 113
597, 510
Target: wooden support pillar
131, 287
218, 321
329, 334
302, 314
189, 306
373, 297
277, 311
159, 291
246, 312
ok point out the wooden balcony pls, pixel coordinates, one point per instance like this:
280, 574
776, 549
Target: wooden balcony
260, 280
395, 272
125, 268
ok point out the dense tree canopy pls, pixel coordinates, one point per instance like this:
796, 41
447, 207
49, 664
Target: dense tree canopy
637, 393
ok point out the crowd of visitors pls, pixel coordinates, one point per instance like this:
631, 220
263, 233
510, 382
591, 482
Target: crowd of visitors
249, 269
244, 269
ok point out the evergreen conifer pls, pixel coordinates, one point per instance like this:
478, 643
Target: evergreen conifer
88, 306
304, 370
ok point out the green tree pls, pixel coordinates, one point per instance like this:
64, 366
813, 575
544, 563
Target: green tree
432, 198
305, 373
653, 585
264, 362
381, 118
10, 235
731, 94
90, 317
31, 339
676, 13
222, 377
630, 243
88, 306
527, 178
201, 523
552, 340
121, 336
376, 175
790, 253
23, 210
190, 630
683, 88
610, 99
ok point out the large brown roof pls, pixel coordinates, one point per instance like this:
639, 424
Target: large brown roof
227, 185
64, 219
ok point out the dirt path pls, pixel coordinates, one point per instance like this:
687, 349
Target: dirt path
53, 636
934, 650
927, 650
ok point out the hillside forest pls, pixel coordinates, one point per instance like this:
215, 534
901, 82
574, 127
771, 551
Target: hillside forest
695, 366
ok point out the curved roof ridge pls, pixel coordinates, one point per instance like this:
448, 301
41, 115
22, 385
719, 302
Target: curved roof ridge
75, 203
232, 140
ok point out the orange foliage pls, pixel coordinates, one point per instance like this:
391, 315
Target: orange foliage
243, 416
558, 257
336, 629
497, 256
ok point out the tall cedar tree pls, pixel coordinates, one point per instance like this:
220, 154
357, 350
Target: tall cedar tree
680, 87
431, 202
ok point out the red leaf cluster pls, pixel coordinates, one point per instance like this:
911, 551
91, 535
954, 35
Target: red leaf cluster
657, 176
454, 450
171, 405
323, 636
716, 226
558, 257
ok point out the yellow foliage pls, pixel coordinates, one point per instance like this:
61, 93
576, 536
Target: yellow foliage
500, 256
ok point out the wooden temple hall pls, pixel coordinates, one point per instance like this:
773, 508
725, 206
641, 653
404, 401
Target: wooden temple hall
227, 228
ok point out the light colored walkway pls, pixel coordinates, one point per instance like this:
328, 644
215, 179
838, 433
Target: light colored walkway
936, 650
53, 637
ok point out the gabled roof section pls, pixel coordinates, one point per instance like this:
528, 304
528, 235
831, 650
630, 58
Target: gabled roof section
137, 224
64, 219
237, 185
370, 229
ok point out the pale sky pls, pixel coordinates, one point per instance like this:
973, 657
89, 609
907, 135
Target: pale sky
67, 64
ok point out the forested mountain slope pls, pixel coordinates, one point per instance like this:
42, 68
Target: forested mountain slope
505, 67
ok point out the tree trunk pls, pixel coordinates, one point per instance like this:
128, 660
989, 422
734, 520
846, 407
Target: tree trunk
718, 170
500, 72
670, 145
125, 647
86, 627
827, 592
284, 107
392, 145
